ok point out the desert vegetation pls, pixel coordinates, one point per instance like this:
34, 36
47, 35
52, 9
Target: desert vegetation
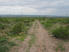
13, 30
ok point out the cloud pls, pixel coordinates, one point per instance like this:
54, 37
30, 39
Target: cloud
34, 7
24, 10
17, 10
47, 11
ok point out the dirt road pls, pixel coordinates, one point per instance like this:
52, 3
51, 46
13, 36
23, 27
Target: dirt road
43, 41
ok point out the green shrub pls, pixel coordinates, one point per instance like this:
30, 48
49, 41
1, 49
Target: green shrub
2, 26
61, 32
47, 24
4, 20
17, 28
24, 28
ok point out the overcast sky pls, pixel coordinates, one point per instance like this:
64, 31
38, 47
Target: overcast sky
35, 7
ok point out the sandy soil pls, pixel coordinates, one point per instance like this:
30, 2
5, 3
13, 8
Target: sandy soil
44, 42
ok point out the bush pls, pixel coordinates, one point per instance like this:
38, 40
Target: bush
61, 32
4, 20
17, 28
2, 26
47, 24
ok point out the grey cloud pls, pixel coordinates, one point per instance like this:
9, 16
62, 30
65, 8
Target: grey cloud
50, 7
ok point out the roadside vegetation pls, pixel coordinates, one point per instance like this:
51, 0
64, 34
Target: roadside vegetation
61, 32
5, 44
58, 27
11, 29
